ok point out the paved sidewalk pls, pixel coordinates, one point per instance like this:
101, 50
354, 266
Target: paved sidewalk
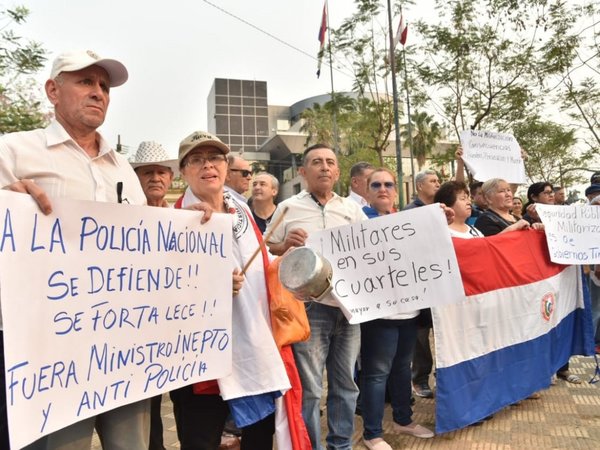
567, 416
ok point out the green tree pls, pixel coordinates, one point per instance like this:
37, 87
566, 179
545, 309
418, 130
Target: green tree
20, 109
571, 62
478, 58
550, 155
360, 45
425, 134
359, 133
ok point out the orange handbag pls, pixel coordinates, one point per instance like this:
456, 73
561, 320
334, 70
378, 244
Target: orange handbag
288, 316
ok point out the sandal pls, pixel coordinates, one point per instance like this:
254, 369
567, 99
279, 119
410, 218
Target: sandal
569, 377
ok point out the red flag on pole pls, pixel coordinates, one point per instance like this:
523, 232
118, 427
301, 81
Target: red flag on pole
322, 32
401, 33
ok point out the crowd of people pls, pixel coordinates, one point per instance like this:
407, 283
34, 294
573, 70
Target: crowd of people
392, 355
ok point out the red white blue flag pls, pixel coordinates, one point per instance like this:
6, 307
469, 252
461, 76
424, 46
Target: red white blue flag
521, 320
322, 32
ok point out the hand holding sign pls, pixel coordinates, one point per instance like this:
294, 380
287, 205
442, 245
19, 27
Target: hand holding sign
492, 155
396, 263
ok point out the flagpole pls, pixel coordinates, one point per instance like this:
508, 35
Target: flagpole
410, 136
333, 109
395, 102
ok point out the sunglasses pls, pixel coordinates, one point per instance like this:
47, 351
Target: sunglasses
245, 173
375, 185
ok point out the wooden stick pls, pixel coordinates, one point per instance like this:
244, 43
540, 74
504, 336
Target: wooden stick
265, 239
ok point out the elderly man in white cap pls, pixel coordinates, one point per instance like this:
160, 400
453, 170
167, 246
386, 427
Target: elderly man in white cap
70, 159
155, 170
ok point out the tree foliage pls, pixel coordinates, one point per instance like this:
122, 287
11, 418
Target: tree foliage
360, 133
425, 134
478, 58
20, 107
550, 155
571, 63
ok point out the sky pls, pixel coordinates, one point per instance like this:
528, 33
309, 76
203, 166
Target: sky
174, 50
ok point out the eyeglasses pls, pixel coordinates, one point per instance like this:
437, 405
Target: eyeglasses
198, 160
375, 185
245, 173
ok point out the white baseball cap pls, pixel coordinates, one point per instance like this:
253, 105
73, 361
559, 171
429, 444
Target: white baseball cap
80, 59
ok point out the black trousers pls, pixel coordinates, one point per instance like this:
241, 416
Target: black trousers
200, 420
156, 426
4, 441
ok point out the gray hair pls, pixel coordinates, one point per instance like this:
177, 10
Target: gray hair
421, 176
359, 168
489, 187
232, 158
274, 180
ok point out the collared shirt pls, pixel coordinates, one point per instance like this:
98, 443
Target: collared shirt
63, 169
357, 198
58, 165
304, 212
239, 197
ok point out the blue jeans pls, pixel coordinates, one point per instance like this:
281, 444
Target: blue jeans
387, 348
334, 344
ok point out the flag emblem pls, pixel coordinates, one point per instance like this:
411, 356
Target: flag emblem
548, 301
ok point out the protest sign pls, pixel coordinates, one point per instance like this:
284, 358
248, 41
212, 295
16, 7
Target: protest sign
104, 305
572, 232
396, 263
492, 155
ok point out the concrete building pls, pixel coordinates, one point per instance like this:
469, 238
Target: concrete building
269, 135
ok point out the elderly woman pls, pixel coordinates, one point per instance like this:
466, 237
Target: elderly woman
387, 346
455, 195
498, 218
258, 375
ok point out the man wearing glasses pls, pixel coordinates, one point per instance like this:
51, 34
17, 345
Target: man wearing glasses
239, 174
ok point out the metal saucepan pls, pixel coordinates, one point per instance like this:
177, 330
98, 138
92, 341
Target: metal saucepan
306, 273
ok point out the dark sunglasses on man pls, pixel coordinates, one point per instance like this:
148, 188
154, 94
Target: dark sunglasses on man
245, 173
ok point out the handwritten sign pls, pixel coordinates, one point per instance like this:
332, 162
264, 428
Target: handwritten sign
492, 155
104, 305
572, 232
392, 264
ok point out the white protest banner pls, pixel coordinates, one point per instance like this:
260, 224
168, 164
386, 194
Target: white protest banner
492, 155
572, 232
104, 305
395, 263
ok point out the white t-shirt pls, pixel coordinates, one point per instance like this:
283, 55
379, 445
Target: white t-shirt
472, 232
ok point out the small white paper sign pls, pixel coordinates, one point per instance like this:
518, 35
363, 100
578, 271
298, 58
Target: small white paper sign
572, 232
396, 263
488, 154
106, 304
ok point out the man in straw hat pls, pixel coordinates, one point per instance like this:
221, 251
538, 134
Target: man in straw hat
155, 170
